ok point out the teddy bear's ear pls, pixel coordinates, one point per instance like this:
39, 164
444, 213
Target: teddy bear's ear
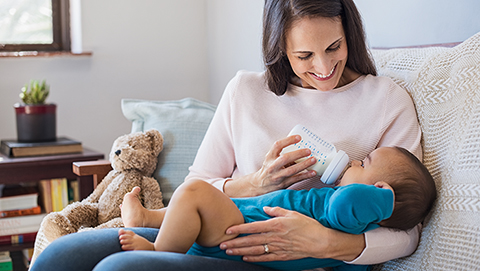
156, 139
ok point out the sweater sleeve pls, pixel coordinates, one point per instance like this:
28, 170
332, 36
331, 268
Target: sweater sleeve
215, 159
378, 250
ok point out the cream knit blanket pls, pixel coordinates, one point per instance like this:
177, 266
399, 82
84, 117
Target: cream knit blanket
445, 86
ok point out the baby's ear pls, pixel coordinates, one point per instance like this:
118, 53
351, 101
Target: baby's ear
380, 184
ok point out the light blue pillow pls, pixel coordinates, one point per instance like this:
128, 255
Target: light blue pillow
183, 124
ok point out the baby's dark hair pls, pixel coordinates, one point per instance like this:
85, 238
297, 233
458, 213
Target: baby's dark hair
415, 192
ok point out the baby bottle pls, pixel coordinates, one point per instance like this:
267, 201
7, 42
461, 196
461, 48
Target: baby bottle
330, 162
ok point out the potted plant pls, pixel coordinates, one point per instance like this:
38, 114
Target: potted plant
36, 120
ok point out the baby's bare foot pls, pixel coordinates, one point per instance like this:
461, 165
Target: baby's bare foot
131, 241
132, 209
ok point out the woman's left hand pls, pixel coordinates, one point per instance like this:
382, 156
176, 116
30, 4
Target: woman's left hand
289, 236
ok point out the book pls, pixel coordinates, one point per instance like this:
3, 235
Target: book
6, 262
73, 191
19, 230
64, 191
54, 194
45, 188
4, 255
20, 224
62, 145
27, 256
18, 238
6, 265
21, 212
18, 202
20, 221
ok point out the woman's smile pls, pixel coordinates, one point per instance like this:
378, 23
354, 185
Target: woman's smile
322, 77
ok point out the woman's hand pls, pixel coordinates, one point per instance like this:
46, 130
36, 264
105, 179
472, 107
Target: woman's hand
289, 236
278, 171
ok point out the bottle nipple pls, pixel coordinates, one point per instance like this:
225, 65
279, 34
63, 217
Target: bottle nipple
336, 168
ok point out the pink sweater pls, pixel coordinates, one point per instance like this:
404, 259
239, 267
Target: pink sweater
357, 118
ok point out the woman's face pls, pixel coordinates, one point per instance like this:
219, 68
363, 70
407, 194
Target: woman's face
317, 51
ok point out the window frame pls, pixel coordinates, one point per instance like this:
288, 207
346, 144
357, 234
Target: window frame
61, 32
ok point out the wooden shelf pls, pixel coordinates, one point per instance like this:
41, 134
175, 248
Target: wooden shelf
42, 54
37, 168
17, 247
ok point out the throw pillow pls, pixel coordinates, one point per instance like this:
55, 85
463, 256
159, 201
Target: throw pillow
183, 124
445, 86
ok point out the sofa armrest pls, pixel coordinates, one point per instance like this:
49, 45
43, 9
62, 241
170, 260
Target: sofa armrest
99, 169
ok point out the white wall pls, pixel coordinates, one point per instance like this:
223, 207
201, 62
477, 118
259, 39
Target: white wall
391, 23
141, 49
165, 50
234, 40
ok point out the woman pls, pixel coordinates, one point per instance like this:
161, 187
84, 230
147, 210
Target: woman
319, 74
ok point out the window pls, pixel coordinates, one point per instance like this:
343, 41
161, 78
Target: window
34, 25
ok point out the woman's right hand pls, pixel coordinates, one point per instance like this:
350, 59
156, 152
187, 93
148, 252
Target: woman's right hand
278, 171
290, 236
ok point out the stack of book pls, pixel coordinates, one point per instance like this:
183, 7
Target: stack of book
55, 194
27, 256
62, 145
5, 261
20, 219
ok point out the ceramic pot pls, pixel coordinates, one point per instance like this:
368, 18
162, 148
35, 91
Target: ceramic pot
36, 123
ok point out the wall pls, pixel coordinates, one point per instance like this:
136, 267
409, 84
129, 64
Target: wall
141, 49
416, 22
165, 50
234, 41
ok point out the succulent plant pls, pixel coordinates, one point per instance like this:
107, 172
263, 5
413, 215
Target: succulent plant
37, 94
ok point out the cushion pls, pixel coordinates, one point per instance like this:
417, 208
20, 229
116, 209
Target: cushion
445, 86
183, 124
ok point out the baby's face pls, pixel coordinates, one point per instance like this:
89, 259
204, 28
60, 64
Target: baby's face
373, 168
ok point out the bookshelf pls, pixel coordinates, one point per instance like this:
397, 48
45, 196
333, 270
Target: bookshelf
36, 168
31, 169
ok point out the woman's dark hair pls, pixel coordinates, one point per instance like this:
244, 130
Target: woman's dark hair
279, 16
415, 192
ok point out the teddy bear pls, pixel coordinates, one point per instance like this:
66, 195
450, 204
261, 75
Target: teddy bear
133, 158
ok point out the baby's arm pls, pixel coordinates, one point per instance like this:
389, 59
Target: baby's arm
357, 208
131, 241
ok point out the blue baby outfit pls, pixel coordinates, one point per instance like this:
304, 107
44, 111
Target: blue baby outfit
354, 208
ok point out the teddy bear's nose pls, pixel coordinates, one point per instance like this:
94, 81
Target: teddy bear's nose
118, 152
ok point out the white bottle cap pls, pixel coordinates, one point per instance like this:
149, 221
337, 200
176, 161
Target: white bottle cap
335, 168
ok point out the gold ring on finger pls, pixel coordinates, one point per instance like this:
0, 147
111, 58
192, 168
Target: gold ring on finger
266, 249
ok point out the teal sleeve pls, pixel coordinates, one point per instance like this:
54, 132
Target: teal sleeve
357, 208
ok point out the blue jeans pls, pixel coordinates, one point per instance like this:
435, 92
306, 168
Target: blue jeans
101, 250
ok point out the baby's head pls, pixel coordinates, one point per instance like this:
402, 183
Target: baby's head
413, 186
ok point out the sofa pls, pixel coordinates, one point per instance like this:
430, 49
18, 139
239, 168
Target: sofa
444, 84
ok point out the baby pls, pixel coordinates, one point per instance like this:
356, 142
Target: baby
389, 188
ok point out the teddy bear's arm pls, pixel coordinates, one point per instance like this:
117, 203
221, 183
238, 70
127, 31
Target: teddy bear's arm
151, 193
